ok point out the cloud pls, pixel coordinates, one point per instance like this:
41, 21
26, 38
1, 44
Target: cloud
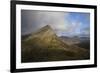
32, 20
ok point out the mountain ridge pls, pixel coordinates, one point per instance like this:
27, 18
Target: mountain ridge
45, 45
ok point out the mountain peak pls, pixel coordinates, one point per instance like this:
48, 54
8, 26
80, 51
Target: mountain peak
44, 32
47, 27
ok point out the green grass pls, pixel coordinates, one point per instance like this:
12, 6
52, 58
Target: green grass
40, 54
46, 46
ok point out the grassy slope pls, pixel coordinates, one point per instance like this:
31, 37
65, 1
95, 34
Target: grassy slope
39, 50
46, 46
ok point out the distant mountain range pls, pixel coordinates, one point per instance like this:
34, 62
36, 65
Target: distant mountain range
45, 45
83, 42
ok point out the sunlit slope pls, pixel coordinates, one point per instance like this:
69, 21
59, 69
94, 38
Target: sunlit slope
44, 45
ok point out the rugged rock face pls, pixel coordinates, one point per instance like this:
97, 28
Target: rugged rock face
44, 45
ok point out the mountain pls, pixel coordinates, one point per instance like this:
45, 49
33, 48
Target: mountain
83, 42
45, 45
70, 40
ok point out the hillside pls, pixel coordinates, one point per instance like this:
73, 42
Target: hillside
45, 45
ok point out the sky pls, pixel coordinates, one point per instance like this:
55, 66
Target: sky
63, 23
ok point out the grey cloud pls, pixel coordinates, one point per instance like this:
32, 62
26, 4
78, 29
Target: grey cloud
33, 20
